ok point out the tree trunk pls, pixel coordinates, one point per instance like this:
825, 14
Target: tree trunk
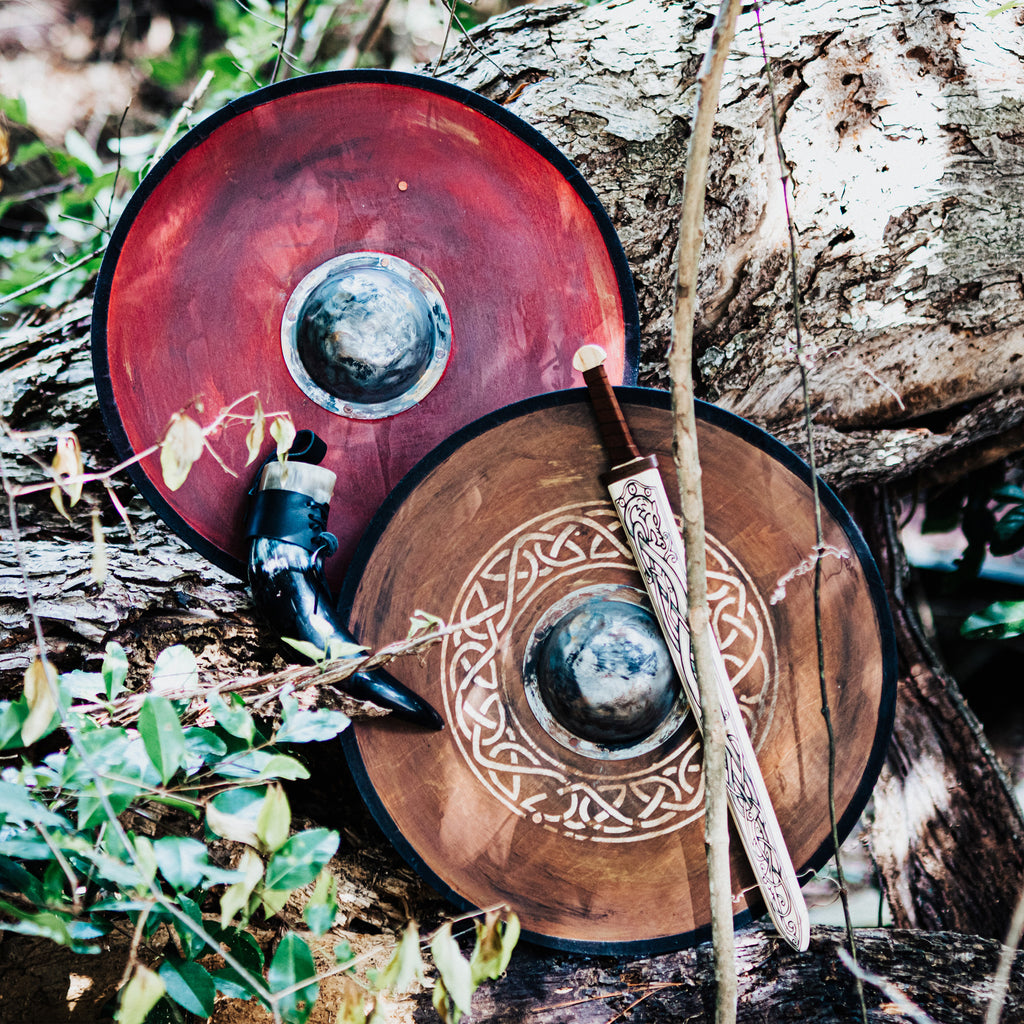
944, 974
903, 124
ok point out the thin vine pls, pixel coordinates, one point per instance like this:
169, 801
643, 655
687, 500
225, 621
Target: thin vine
820, 550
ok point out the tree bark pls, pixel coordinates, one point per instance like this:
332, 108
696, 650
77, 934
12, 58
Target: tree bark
946, 975
903, 124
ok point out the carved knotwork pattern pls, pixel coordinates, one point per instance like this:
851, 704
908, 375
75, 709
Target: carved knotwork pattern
507, 749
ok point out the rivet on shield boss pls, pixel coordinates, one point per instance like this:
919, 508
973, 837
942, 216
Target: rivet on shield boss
408, 269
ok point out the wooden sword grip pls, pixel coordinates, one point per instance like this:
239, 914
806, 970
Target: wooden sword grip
618, 441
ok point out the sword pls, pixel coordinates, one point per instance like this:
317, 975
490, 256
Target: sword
640, 499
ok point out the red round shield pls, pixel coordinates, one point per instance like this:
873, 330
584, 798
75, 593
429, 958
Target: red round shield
467, 204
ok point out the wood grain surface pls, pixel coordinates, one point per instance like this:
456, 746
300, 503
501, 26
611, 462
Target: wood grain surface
191, 296
599, 853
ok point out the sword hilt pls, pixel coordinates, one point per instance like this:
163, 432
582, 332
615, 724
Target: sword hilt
618, 441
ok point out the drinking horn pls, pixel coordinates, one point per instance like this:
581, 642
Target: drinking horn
287, 544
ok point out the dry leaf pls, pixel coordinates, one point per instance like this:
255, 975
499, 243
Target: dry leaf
254, 439
181, 446
40, 694
282, 430
67, 462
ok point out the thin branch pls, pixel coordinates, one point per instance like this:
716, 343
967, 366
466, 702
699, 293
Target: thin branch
680, 362
1001, 979
904, 1004
183, 111
820, 548
281, 46
56, 275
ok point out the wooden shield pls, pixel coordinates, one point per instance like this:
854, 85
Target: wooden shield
196, 285
601, 850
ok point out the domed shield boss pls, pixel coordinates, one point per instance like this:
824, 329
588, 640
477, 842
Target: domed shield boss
567, 782
384, 256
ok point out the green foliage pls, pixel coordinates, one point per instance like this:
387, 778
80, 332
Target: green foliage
997, 622
74, 860
989, 510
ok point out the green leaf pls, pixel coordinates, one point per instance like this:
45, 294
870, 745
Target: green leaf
162, 735
12, 719
274, 820
181, 861
83, 685
231, 716
175, 669
273, 901
236, 896
495, 941
455, 972
997, 622
322, 906
301, 859
91, 808
246, 950
145, 858
139, 996
257, 765
18, 805
293, 964
233, 814
14, 878
405, 965
312, 726
185, 863
201, 747
1008, 535
307, 649
41, 924
114, 670
189, 985
191, 943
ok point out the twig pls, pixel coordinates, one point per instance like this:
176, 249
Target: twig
281, 45
1001, 979
183, 111
819, 536
680, 362
902, 1003
42, 282
117, 171
470, 42
294, 678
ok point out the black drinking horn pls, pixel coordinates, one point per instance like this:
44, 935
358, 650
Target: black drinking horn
287, 543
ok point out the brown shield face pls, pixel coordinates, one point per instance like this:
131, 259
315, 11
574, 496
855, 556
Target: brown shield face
590, 826
383, 256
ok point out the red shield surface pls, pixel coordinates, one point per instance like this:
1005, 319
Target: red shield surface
198, 275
